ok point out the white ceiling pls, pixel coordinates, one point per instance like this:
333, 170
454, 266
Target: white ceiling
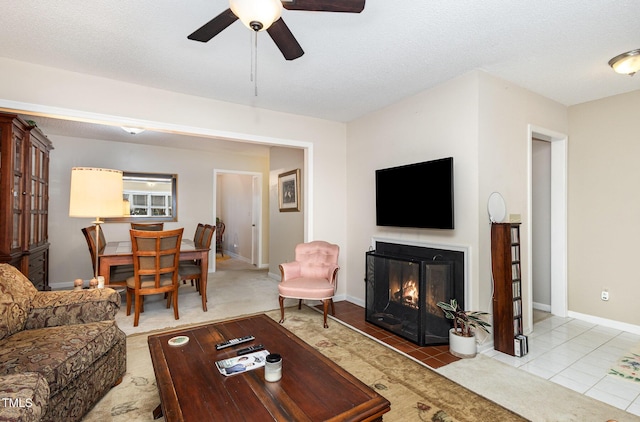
353, 63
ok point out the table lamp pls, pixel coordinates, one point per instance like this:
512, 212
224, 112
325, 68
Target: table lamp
95, 192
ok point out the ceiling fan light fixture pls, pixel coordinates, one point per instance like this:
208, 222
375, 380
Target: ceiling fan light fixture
626, 63
257, 15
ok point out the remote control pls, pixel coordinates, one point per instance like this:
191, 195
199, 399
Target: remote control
250, 349
234, 342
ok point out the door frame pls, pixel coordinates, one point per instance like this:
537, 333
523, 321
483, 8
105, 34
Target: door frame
256, 206
559, 194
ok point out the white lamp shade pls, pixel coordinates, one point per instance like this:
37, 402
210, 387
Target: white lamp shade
95, 192
264, 11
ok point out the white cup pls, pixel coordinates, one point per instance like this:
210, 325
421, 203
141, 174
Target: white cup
100, 282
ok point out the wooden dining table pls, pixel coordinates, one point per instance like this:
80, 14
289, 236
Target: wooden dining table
119, 253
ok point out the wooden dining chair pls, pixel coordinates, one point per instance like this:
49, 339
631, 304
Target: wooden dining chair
197, 238
147, 226
118, 274
219, 233
192, 270
156, 257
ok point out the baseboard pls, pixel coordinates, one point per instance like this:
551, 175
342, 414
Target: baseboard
485, 347
622, 326
275, 276
541, 307
351, 299
245, 259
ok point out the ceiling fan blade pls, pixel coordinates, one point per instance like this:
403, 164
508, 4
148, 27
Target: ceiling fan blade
351, 6
214, 26
284, 39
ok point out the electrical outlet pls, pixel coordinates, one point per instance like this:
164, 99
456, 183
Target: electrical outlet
604, 295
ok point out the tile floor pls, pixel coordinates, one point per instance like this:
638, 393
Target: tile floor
569, 352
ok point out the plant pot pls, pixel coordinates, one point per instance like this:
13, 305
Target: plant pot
462, 347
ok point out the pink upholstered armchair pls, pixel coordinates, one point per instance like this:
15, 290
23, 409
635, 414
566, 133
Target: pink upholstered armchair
312, 276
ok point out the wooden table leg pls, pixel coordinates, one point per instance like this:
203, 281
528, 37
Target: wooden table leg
104, 270
204, 270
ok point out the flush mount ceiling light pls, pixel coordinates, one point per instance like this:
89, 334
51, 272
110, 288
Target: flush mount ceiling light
132, 130
256, 14
626, 63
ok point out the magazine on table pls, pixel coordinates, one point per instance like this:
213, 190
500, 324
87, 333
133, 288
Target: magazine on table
240, 364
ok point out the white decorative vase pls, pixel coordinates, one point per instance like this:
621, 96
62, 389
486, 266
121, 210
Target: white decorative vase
462, 347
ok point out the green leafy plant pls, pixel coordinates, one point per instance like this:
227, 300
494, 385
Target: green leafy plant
463, 321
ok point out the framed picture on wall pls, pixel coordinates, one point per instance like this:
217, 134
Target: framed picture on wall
289, 190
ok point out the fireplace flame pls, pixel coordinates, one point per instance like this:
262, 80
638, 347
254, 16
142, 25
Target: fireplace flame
408, 294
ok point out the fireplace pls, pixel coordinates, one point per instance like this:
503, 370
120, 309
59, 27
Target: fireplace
404, 285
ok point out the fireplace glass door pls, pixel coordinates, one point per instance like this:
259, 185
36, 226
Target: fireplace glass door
402, 296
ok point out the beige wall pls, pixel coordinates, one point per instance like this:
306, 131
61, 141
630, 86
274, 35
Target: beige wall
69, 258
55, 92
604, 207
541, 225
505, 113
482, 122
479, 120
288, 227
235, 202
437, 123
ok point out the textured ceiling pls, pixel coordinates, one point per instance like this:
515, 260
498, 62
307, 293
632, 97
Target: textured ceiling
353, 63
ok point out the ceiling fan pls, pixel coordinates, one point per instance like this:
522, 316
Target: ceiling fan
260, 15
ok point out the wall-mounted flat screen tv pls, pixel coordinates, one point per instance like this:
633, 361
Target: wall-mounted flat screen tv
416, 195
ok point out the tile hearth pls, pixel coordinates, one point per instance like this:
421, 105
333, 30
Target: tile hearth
432, 356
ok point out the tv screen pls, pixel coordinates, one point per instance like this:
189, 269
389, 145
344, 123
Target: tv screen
416, 195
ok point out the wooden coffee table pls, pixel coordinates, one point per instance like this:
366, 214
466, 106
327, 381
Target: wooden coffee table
312, 388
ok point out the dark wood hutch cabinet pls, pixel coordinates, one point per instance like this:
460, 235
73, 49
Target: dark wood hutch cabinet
24, 198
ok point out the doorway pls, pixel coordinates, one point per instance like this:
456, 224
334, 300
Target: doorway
541, 226
238, 204
557, 220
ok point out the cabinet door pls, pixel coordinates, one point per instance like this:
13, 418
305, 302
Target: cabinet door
17, 190
39, 189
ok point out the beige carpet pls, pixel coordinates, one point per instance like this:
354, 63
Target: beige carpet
230, 292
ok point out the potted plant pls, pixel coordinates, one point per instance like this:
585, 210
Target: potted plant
462, 340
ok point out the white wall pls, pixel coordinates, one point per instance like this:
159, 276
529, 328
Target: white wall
55, 92
437, 123
541, 225
69, 257
479, 120
482, 122
505, 113
235, 197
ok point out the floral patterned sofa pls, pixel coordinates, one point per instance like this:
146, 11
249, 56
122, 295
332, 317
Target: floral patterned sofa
60, 352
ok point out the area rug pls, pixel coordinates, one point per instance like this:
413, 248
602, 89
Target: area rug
416, 392
628, 366
529, 395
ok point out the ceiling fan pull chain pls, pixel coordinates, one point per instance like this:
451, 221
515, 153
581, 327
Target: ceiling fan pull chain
252, 56
255, 64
